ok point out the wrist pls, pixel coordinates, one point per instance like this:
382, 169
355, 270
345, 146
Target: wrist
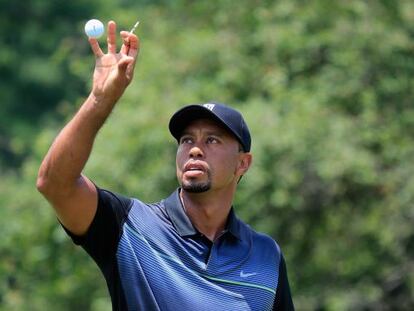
101, 104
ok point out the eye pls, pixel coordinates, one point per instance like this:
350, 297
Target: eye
212, 140
186, 140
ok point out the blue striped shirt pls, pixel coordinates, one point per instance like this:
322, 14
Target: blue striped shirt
153, 258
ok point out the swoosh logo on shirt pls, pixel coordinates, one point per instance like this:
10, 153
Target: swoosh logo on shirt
246, 275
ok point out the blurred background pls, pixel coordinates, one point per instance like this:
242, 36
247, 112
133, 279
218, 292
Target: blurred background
327, 88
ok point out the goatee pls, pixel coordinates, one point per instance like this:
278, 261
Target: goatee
196, 187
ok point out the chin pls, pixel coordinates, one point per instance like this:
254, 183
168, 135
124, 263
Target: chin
194, 187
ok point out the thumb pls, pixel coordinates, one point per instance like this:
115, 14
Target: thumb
124, 63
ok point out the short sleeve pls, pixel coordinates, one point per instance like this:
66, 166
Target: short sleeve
283, 300
101, 239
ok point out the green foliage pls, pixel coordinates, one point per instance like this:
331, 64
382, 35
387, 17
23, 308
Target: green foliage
326, 88
40, 67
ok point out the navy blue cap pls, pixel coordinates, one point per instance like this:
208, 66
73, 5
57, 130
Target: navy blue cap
230, 118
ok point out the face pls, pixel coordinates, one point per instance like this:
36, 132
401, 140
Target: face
209, 157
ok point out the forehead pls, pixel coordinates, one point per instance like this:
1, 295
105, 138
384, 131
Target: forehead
206, 125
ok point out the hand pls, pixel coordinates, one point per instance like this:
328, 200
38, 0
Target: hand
114, 71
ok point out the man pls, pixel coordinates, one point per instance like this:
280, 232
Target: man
187, 252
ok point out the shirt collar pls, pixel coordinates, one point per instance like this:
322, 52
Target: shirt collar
233, 224
178, 216
183, 224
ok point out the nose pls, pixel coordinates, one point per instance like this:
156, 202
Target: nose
196, 152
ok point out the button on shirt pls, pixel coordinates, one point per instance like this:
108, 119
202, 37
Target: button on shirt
153, 258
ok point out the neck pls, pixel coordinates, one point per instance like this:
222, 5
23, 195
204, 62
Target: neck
208, 212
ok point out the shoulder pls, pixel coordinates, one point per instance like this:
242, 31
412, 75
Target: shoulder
144, 209
113, 199
263, 248
260, 239
160, 209
147, 218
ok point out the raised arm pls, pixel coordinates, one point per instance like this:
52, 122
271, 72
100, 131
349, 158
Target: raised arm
60, 179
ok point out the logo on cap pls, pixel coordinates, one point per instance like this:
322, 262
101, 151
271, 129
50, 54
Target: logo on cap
209, 106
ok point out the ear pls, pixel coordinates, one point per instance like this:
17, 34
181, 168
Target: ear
245, 161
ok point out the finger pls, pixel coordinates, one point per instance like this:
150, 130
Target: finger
133, 46
96, 49
129, 72
125, 40
126, 68
123, 64
111, 40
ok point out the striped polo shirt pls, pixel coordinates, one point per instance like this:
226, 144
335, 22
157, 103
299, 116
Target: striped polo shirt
153, 258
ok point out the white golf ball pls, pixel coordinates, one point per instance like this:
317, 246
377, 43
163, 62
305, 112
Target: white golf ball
94, 28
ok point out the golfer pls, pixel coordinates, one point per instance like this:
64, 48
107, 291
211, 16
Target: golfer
188, 251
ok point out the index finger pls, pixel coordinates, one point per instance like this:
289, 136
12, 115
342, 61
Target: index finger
96, 49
